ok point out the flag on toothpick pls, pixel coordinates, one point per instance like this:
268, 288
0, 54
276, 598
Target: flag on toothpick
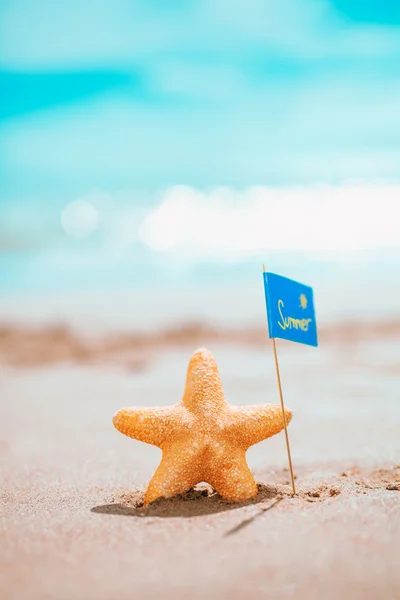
291, 316
290, 310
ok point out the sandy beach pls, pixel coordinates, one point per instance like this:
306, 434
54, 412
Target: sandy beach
72, 524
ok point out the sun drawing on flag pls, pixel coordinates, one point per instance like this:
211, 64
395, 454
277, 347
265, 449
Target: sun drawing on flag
303, 301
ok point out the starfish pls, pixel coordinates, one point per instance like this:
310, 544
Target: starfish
202, 438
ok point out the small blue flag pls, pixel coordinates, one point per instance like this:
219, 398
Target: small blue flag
290, 310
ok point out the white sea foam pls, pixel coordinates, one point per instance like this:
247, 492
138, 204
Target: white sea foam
226, 224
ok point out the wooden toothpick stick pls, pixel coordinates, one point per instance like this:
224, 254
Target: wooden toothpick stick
283, 414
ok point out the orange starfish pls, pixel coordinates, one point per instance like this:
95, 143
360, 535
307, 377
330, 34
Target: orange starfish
202, 438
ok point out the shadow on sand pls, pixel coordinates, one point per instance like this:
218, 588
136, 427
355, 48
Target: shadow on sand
192, 504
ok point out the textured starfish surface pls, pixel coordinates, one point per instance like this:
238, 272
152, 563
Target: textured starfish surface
202, 438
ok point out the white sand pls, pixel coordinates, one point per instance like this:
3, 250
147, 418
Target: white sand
69, 481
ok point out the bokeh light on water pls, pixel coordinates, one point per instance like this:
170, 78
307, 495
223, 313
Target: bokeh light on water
79, 218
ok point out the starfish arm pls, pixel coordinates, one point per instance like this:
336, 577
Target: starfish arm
176, 474
150, 425
255, 423
232, 478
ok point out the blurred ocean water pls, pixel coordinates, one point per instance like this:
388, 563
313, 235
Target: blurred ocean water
187, 237
180, 145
